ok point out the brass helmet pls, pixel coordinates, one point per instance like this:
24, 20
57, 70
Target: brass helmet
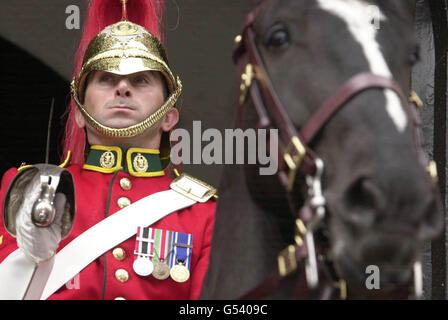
124, 48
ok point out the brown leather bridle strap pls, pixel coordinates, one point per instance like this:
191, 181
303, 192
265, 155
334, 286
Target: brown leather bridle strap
354, 86
272, 282
295, 254
250, 18
278, 112
282, 122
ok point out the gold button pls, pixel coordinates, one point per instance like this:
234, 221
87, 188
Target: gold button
125, 184
119, 254
123, 202
121, 275
119, 298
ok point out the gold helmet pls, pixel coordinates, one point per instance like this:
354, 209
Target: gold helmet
124, 48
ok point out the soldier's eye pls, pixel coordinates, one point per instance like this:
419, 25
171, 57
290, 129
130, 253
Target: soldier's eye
140, 80
105, 77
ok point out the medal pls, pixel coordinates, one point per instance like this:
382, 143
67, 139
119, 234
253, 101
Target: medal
181, 258
142, 265
163, 254
161, 247
161, 270
179, 273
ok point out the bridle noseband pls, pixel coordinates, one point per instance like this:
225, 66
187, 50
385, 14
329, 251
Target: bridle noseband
299, 158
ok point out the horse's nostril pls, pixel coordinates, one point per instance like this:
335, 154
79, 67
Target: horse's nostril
363, 198
361, 194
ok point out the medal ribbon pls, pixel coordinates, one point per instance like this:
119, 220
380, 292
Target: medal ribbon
160, 238
164, 245
145, 236
152, 232
183, 244
169, 248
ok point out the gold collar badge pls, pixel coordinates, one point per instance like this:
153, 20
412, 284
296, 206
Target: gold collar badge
107, 160
140, 163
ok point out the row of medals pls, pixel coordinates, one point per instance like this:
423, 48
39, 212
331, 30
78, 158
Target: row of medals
160, 270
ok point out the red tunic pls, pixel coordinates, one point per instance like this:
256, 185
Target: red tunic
98, 280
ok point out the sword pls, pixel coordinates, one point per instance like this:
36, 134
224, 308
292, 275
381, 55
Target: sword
43, 209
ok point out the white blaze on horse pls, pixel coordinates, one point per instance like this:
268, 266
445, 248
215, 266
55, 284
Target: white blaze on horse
356, 15
352, 191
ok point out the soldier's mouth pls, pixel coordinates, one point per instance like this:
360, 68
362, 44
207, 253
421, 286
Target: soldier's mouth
122, 107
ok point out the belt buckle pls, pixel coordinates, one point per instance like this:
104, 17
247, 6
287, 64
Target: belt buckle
193, 188
294, 160
287, 261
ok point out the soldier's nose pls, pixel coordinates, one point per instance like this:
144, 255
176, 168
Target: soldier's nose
123, 89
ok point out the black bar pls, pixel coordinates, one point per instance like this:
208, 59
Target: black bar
440, 29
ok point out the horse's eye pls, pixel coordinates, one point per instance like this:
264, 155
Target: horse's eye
278, 38
414, 58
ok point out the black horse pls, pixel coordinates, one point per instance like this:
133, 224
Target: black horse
381, 206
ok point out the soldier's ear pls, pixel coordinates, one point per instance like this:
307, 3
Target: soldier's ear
80, 121
170, 120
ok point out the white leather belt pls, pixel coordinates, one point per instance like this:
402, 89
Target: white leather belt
17, 271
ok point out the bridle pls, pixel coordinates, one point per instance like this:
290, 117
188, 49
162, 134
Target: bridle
299, 159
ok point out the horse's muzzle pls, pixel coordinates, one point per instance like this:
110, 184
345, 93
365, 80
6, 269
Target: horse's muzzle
403, 204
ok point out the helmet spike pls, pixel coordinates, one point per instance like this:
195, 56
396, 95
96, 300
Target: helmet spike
124, 12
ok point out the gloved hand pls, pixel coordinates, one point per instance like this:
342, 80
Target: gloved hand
38, 243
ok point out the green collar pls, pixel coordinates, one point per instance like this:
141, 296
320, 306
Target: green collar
136, 161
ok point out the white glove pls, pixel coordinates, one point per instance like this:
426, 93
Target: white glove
38, 243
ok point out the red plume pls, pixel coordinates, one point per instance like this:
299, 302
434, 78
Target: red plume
100, 14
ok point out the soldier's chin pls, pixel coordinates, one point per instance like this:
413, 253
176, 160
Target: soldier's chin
120, 123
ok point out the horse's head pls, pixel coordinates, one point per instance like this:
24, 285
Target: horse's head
382, 205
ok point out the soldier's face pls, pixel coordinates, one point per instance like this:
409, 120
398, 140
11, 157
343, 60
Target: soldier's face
121, 101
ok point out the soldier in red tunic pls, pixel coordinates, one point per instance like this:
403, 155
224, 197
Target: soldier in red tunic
136, 234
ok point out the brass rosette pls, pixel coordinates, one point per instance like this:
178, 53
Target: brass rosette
125, 48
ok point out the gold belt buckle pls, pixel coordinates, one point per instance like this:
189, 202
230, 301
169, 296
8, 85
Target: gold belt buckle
287, 261
294, 160
192, 188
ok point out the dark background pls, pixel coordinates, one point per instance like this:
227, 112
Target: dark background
36, 57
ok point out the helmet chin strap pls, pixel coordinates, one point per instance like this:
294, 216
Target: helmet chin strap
133, 130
